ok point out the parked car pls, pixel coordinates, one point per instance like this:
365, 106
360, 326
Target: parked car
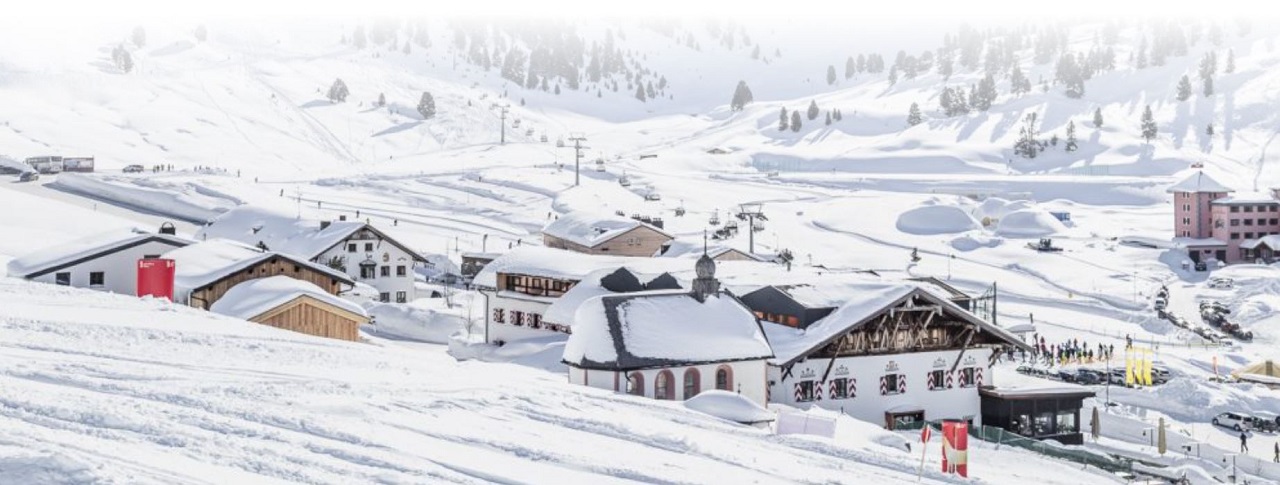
1230, 420
1221, 283
28, 177
1066, 376
1117, 376
1262, 423
1090, 377
1160, 375
133, 169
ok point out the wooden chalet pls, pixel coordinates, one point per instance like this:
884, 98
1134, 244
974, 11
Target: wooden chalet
295, 305
594, 234
206, 271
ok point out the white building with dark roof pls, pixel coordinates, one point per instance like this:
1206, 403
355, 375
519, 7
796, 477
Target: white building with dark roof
670, 344
365, 253
106, 262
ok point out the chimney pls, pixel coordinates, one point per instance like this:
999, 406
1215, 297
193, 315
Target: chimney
324, 225
657, 222
167, 228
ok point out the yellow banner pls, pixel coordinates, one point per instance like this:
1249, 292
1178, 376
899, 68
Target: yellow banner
1128, 367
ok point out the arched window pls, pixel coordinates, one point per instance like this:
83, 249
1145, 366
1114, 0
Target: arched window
635, 384
692, 383
662, 386
724, 378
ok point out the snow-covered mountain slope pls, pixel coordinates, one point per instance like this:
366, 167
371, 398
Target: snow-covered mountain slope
109, 389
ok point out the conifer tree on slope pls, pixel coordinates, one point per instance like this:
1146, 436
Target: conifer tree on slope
1184, 88
813, 110
1148, 125
741, 97
1018, 82
640, 93
1097, 118
850, 68
382, 100
913, 115
338, 91
1208, 86
783, 119
1071, 136
427, 106
828, 118
1231, 62
795, 121
831, 75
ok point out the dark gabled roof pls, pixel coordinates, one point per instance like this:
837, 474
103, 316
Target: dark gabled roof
106, 250
369, 227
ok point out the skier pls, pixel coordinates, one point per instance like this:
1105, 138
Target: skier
1277, 458
1244, 442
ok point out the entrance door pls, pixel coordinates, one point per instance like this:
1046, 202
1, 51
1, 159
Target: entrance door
908, 420
1222, 255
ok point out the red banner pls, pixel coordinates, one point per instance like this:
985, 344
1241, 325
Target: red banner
155, 278
955, 447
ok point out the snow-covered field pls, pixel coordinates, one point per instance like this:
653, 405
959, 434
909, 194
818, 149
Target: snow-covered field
107, 389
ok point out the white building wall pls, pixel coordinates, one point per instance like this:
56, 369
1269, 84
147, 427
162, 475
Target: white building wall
508, 332
748, 378
384, 254
869, 405
120, 269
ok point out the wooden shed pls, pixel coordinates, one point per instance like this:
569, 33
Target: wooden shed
294, 305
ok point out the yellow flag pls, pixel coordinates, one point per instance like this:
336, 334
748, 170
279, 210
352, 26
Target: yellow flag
1146, 367
1128, 367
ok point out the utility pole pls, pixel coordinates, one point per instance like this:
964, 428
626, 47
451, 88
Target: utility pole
751, 212
577, 139
502, 113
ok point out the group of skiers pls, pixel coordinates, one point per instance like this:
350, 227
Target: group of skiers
1069, 352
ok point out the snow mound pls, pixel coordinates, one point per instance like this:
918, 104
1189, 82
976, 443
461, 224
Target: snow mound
996, 208
1029, 223
936, 219
970, 242
414, 322
728, 405
20, 466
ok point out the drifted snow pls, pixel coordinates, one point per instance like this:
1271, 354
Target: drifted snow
728, 405
422, 320
255, 297
936, 219
1029, 223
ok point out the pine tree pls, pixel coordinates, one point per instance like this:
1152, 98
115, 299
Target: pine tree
755, 53
122, 58
1018, 82
1148, 125
986, 94
427, 106
202, 33
913, 115
1231, 61
1027, 146
945, 67
1208, 86
813, 110
1071, 136
741, 97
338, 91
1208, 130
795, 121
945, 100
557, 90
831, 75
850, 68
1141, 62
828, 118
1184, 88
782, 120
139, 36
839, 115
893, 75
1097, 118
640, 93
382, 100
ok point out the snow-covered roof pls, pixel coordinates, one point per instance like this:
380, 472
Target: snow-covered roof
1272, 241
1198, 182
562, 309
662, 329
1247, 198
206, 262
1193, 242
730, 406
61, 256
861, 302
255, 297
566, 265
684, 248
284, 233
1017, 385
591, 229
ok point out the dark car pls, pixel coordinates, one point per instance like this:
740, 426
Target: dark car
1066, 376
28, 177
1090, 377
133, 169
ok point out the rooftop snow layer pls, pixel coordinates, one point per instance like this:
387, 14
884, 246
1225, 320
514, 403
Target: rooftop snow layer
255, 297
591, 229
1198, 182
663, 328
209, 261
1248, 198
568, 265
81, 248
279, 231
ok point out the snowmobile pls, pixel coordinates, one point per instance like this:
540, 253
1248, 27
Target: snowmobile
1045, 246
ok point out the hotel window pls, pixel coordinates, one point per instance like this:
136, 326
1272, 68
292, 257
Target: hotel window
401, 297
401, 271
1235, 222
1262, 222
535, 320
804, 391
63, 279
1274, 208
1248, 208
1235, 208
1275, 221
1248, 235
890, 383
1186, 207
1186, 221
497, 315
938, 380
1235, 235
840, 388
368, 247
366, 272
385, 271
384, 297
517, 318
351, 248
966, 377
97, 279
1248, 222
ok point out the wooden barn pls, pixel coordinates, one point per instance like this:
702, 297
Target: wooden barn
595, 234
295, 305
206, 271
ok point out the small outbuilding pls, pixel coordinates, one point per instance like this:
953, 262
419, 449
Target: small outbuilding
292, 304
1035, 408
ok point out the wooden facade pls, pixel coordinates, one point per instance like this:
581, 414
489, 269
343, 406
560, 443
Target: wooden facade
734, 255
534, 285
641, 241
308, 315
913, 325
205, 296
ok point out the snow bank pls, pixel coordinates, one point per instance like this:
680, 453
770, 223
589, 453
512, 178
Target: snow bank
936, 219
22, 466
728, 405
996, 208
415, 322
970, 242
1029, 223
187, 204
